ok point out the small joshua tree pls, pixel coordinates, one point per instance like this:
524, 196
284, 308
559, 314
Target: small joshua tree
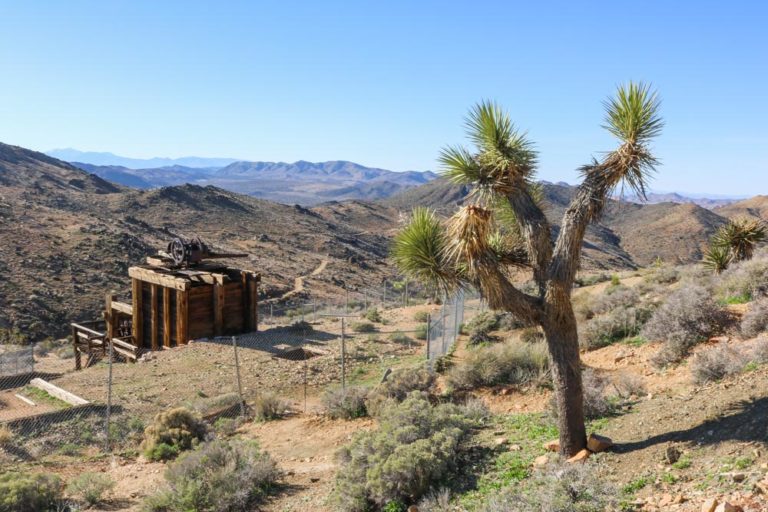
506, 230
734, 242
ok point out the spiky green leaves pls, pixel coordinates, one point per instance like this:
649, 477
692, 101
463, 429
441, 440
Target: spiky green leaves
717, 258
503, 158
633, 114
419, 251
740, 236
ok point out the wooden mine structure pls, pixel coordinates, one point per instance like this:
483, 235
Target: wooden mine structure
175, 298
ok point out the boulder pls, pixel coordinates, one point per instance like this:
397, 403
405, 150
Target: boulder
727, 507
541, 460
552, 446
597, 443
582, 456
709, 505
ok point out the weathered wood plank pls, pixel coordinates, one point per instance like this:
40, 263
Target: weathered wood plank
153, 318
166, 317
218, 309
138, 313
253, 305
57, 392
154, 277
182, 318
122, 307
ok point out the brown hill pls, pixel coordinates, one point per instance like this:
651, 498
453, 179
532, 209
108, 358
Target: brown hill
67, 237
754, 207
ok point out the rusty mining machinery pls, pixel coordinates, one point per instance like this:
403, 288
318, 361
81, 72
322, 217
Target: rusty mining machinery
191, 252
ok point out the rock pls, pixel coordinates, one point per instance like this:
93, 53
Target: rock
738, 477
413, 508
672, 454
727, 507
709, 505
582, 456
501, 441
552, 446
597, 443
666, 500
314, 480
515, 448
679, 499
541, 460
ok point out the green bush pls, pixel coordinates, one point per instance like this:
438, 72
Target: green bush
171, 432
415, 446
268, 406
220, 476
23, 492
346, 403
688, 316
615, 280
421, 316
90, 487
398, 385
616, 325
362, 327
421, 332
400, 337
566, 488
373, 315
747, 278
512, 362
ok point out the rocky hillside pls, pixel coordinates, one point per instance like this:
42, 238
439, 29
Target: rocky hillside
67, 237
755, 207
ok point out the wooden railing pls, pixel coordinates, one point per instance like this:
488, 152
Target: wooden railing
90, 339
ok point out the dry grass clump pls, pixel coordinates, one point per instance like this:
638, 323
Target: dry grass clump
755, 321
717, 362
747, 279
90, 487
172, 432
6, 435
396, 388
480, 327
347, 403
415, 447
689, 315
663, 275
269, 406
221, 476
629, 385
512, 362
566, 488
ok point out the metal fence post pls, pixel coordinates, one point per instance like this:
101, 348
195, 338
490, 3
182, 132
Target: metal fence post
429, 330
109, 397
343, 356
239, 382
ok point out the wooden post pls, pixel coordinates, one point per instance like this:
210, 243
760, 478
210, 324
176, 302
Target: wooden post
110, 318
154, 323
78, 362
182, 316
253, 304
166, 317
138, 313
244, 278
218, 309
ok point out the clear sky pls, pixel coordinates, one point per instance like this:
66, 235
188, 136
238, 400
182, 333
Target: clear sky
387, 83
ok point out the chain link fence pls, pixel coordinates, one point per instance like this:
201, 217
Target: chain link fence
302, 349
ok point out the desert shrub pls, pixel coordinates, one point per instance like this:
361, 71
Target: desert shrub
716, 363
615, 280
346, 403
436, 501
508, 363
300, 325
6, 435
373, 315
615, 297
13, 337
206, 405
590, 280
421, 316
663, 275
24, 492
629, 384
172, 432
421, 332
415, 446
220, 476
759, 351
755, 320
268, 406
480, 327
688, 316
400, 337
362, 327
747, 278
617, 324
90, 487
566, 488
475, 410
398, 385
531, 335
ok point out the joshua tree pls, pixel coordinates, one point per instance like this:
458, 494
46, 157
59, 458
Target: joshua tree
717, 258
485, 244
738, 238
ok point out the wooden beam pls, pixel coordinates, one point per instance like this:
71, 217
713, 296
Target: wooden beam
109, 316
138, 317
218, 310
154, 325
78, 363
182, 319
166, 317
253, 304
153, 276
57, 392
122, 307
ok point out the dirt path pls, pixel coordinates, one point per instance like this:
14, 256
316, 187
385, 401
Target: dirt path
298, 283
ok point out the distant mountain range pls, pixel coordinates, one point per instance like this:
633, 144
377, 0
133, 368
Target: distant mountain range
110, 159
305, 183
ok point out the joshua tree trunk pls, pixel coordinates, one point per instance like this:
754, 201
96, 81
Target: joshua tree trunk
563, 343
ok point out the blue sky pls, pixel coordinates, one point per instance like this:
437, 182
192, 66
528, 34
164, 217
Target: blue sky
386, 84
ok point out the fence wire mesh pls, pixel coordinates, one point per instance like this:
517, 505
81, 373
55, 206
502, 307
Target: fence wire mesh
302, 348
